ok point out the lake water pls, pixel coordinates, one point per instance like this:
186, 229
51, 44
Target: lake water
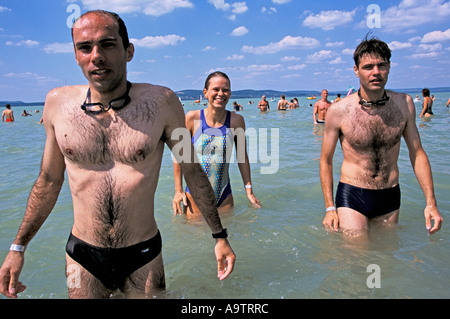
283, 252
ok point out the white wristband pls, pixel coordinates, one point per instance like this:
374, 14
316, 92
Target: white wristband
19, 248
248, 186
330, 209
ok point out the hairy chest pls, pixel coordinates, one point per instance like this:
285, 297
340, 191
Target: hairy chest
127, 137
373, 130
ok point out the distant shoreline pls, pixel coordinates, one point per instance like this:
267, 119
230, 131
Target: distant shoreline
244, 94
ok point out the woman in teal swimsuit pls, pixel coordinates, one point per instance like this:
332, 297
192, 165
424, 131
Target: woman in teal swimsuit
212, 136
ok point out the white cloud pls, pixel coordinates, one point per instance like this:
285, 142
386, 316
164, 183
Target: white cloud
281, 1
57, 47
436, 36
158, 41
429, 55
413, 13
148, 7
235, 57
236, 7
31, 76
430, 47
334, 44
348, 51
4, 9
338, 60
290, 58
328, 20
264, 67
286, 43
220, 4
320, 56
271, 10
239, 31
239, 7
208, 48
396, 45
26, 43
297, 67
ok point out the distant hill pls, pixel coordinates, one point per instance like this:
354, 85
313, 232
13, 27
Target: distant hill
243, 94
249, 94
20, 103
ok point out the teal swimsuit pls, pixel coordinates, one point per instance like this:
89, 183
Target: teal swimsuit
214, 147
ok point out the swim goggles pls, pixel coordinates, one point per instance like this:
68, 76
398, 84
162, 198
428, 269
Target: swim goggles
115, 104
376, 103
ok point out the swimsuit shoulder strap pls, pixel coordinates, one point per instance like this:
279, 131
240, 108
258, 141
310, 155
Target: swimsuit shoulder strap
228, 120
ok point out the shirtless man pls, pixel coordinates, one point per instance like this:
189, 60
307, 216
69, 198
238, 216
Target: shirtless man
112, 152
282, 104
369, 125
263, 105
321, 108
8, 114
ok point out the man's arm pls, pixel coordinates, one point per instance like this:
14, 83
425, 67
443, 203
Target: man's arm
41, 201
199, 186
422, 169
315, 111
330, 139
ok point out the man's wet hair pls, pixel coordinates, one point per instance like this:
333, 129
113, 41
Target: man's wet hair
123, 32
370, 46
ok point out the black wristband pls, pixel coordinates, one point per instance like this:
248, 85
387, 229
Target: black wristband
222, 234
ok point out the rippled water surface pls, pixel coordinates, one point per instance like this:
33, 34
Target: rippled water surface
282, 249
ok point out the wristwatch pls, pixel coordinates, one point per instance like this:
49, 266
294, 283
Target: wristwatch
222, 234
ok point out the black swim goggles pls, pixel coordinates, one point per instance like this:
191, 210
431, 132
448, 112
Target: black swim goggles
115, 104
376, 103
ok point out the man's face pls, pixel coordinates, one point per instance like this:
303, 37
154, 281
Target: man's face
373, 72
99, 51
324, 94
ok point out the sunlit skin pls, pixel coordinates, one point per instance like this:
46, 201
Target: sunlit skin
358, 128
100, 54
373, 72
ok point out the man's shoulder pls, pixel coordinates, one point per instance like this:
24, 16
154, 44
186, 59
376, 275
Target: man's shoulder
68, 90
153, 89
66, 93
193, 115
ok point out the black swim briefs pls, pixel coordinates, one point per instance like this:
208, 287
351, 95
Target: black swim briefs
369, 202
113, 265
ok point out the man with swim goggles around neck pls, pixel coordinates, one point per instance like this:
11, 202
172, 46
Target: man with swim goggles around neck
112, 148
115, 104
369, 126
377, 103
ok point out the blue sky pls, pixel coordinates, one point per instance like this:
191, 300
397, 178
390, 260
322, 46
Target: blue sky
260, 44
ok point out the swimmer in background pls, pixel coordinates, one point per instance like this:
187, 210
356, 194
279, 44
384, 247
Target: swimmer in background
427, 103
8, 114
237, 107
321, 108
25, 113
212, 131
282, 104
263, 105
